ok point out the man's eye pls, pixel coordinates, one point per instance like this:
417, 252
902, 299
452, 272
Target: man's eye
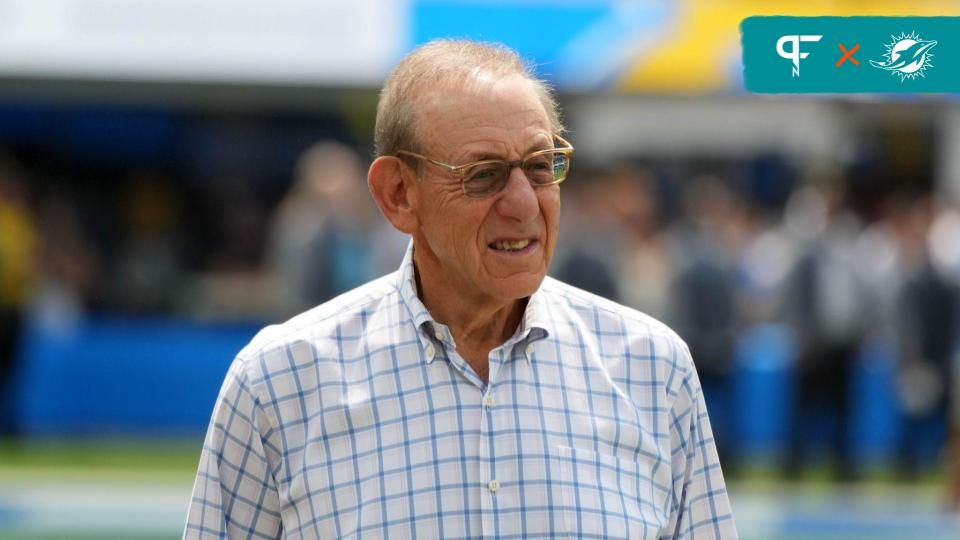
539, 163
483, 174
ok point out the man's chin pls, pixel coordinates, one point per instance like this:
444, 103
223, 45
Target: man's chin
518, 287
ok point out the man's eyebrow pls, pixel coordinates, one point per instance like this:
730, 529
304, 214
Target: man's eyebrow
540, 145
473, 157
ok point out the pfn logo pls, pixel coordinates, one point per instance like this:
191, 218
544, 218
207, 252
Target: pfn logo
794, 53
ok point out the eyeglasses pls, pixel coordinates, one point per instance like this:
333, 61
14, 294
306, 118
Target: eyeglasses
489, 176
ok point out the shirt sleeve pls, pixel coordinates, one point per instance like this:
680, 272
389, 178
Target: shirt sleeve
235, 494
700, 508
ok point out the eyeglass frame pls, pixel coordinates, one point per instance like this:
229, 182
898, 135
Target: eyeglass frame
460, 170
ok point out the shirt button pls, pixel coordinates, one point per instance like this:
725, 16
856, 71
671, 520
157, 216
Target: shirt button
488, 401
529, 350
431, 352
494, 485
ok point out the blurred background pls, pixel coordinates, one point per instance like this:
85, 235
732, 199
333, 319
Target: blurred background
175, 175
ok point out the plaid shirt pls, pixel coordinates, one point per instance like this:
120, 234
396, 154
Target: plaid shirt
358, 419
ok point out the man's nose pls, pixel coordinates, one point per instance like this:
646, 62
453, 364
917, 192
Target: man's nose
519, 200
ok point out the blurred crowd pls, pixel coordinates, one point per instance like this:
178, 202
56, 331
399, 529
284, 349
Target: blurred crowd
721, 260
714, 254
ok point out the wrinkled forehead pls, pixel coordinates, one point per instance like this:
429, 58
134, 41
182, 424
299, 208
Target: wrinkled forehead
481, 100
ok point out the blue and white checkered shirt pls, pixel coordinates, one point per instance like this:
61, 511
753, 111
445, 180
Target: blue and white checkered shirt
358, 419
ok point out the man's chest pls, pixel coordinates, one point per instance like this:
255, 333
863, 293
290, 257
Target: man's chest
421, 452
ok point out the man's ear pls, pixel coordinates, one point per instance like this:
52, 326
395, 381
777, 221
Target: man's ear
389, 189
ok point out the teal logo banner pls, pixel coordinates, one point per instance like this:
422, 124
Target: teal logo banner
851, 54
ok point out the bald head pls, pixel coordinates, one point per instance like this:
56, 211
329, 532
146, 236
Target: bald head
442, 66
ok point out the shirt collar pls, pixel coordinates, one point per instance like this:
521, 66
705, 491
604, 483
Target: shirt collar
536, 318
533, 326
407, 286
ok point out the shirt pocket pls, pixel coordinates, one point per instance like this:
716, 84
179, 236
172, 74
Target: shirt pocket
608, 497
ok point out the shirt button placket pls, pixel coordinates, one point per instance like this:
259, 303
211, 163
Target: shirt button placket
488, 451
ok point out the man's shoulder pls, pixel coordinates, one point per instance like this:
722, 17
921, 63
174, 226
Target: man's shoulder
320, 326
597, 310
620, 335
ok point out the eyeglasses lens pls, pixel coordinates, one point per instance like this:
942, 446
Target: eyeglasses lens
541, 169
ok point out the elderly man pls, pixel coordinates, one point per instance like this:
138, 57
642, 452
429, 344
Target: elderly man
466, 395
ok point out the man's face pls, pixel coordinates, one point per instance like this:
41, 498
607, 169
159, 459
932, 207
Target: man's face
492, 249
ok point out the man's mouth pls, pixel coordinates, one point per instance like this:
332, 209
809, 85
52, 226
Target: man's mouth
510, 245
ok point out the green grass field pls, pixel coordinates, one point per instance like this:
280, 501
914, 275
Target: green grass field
95, 489
107, 454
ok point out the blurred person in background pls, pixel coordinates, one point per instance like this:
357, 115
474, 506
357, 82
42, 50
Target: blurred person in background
588, 259
953, 444
18, 253
148, 264
763, 269
320, 239
944, 258
880, 262
944, 252
236, 220
70, 264
643, 265
826, 299
466, 394
953, 454
929, 319
703, 299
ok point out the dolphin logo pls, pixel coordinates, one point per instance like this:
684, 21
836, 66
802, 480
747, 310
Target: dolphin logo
908, 56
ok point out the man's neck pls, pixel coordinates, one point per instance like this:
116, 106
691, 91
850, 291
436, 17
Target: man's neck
477, 326
473, 322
